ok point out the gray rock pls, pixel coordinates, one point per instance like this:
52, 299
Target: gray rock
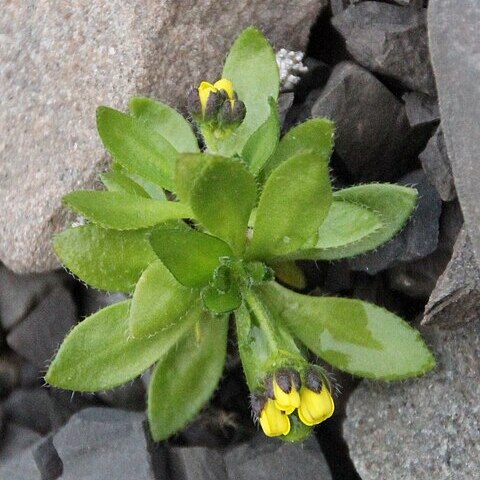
39, 335
437, 166
417, 240
130, 396
456, 298
372, 131
285, 101
47, 460
59, 62
91, 300
263, 459
454, 39
389, 40
422, 428
339, 6
33, 409
422, 110
16, 460
10, 373
196, 463
99, 443
20, 293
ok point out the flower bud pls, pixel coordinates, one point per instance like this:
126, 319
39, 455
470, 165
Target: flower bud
232, 112
286, 384
273, 421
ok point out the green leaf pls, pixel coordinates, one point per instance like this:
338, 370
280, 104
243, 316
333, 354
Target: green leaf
159, 301
219, 301
316, 135
166, 121
354, 336
185, 379
105, 259
346, 223
136, 147
293, 205
117, 182
393, 204
262, 143
222, 199
99, 353
191, 256
121, 211
252, 68
187, 170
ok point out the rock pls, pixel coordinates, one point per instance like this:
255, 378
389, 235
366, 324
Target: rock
47, 460
422, 110
20, 293
196, 463
389, 40
16, 460
339, 6
418, 239
454, 39
263, 458
130, 396
456, 298
285, 101
39, 335
10, 373
100, 443
426, 427
90, 300
33, 409
60, 62
372, 131
437, 166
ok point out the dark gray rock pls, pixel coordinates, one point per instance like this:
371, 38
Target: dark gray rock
130, 396
456, 298
20, 293
90, 300
196, 463
264, 458
422, 110
16, 459
33, 409
10, 368
389, 40
417, 240
39, 335
99, 443
372, 131
437, 166
426, 427
454, 39
285, 101
47, 460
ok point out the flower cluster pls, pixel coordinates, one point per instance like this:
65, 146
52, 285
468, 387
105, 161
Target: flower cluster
286, 391
216, 104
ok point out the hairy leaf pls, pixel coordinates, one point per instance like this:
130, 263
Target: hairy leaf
99, 352
166, 121
105, 259
222, 199
121, 211
316, 135
352, 335
293, 205
136, 147
159, 302
191, 256
262, 143
185, 378
393, 204
117, 182
252, 68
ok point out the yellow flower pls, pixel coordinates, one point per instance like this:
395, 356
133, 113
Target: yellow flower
315, 407
285, 390
204, 91
227, 86
273, 421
